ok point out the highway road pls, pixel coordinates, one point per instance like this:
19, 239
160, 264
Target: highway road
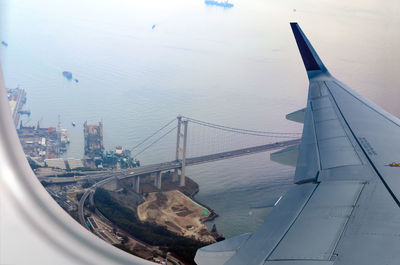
165, 166
81, 207
207, 158
240, 152
89, 191
88, 176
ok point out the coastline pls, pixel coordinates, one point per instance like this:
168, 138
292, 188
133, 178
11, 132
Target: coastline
213, 214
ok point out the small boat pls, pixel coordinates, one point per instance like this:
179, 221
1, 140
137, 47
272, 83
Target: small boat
67, 75
76, 80
5, 44
73, 124
225, 4
153, 27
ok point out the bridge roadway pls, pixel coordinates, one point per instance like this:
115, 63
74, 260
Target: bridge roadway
205, 159
88, 192
99, 175
178, 164
81, 207
240, 152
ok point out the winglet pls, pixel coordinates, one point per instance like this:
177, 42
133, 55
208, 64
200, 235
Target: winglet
310, 58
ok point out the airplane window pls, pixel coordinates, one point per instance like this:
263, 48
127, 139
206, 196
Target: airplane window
151, 123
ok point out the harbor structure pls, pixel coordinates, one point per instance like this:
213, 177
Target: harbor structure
39, 143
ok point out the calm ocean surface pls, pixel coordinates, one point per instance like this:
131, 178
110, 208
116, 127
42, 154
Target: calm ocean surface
237, 67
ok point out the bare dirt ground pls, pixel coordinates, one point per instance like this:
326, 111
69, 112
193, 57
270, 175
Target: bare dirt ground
177, 212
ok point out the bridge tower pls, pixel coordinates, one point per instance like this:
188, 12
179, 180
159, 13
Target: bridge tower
175, 176
178, 137
180, 150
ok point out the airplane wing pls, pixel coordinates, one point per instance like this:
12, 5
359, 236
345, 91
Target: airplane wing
345, 206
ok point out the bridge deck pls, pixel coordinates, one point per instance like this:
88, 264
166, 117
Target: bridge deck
177, 164
208, 158
240, 152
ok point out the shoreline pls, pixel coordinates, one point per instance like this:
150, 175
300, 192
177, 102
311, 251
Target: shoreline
213, 215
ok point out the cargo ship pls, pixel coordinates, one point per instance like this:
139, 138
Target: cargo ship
64, 140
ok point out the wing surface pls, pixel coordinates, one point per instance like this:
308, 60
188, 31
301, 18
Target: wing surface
345, 206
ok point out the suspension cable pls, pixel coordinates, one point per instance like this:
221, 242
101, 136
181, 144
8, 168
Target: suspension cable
156, 132
214, 126
236, 129
154, 142
244, 131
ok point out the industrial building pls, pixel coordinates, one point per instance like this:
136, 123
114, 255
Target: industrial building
37, 142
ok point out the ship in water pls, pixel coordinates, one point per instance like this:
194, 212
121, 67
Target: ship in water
63, 140
225, 4
5, 44
67, 75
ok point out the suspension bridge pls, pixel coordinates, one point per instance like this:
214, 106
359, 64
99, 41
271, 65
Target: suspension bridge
184, 157
230, 147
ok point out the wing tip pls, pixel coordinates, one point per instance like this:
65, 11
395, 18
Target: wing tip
310, 57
